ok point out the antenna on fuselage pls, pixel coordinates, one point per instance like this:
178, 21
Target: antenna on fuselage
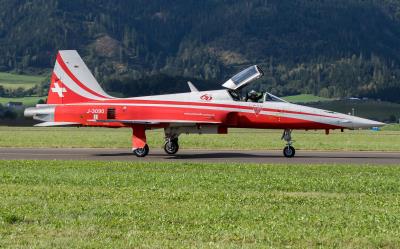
192, 87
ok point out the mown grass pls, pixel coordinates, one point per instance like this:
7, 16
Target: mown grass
26, 101
9, 80
237, 139
376, 110
305, 98
75, 204
391, 127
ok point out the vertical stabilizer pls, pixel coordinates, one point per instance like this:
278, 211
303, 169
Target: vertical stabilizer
72, 81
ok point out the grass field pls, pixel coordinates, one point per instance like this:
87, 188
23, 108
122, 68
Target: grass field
304, 98
57, 204
13, 81
237, 139
9, 80
376, 110
27, 101
391, 127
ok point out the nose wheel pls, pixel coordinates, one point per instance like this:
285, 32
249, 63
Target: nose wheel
171, 146
289, 150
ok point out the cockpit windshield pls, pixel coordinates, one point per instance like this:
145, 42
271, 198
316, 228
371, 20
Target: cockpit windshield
240, 80
271, 97
253, 96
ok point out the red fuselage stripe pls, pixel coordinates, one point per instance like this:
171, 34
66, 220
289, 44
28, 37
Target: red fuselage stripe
195, 104
189, 114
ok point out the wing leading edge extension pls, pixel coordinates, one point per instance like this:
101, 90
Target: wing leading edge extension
155, 122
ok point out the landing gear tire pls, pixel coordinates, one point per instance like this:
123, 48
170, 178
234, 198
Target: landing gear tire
141, 152
289, 151
171, 147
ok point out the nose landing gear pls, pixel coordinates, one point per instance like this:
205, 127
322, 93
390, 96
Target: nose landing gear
289, 150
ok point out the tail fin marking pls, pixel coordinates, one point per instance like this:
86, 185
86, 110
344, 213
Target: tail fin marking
72, 81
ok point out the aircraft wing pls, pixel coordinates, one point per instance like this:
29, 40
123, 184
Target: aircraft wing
59, 124
144, 122
154, 122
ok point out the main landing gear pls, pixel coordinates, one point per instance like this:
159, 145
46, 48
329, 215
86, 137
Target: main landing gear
139, 145
171, 145
141, 152
289, 150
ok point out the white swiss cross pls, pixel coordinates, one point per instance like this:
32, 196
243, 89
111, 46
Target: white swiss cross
59, 90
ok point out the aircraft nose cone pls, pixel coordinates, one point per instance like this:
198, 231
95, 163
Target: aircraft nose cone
365, 123
378, 124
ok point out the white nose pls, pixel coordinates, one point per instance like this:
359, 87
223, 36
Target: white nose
364, 123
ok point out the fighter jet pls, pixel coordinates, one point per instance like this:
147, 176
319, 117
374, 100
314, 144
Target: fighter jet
75, 98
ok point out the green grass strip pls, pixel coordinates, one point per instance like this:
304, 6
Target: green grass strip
79, 204
237, 139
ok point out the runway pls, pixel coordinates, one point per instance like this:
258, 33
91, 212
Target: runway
211, 156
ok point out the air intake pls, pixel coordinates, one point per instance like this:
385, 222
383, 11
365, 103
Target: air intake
111, 113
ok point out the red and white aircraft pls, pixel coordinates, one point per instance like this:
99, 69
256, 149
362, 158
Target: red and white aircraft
76, 99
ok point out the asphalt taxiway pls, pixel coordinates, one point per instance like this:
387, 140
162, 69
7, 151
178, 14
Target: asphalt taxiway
212, 156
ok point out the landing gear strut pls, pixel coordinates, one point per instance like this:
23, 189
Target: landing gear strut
289, 150
139, 145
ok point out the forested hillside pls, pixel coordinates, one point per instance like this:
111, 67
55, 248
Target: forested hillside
331, 48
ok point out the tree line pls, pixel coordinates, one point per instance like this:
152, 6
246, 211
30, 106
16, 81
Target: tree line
335, 48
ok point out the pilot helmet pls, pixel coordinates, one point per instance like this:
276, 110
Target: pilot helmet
252, 93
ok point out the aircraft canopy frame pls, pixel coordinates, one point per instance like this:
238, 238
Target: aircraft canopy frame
243, 78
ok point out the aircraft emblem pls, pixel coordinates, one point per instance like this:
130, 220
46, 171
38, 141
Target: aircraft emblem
257, 109
206, 97
59, 90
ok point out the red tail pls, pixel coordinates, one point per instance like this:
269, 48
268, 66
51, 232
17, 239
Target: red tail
72, 81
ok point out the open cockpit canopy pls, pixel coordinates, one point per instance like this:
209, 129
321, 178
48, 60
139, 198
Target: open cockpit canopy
243, 78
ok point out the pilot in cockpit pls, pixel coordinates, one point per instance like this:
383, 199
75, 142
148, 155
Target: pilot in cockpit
253, 96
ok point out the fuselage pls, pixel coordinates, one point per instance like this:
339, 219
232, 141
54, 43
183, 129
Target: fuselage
207, 107
75, 98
